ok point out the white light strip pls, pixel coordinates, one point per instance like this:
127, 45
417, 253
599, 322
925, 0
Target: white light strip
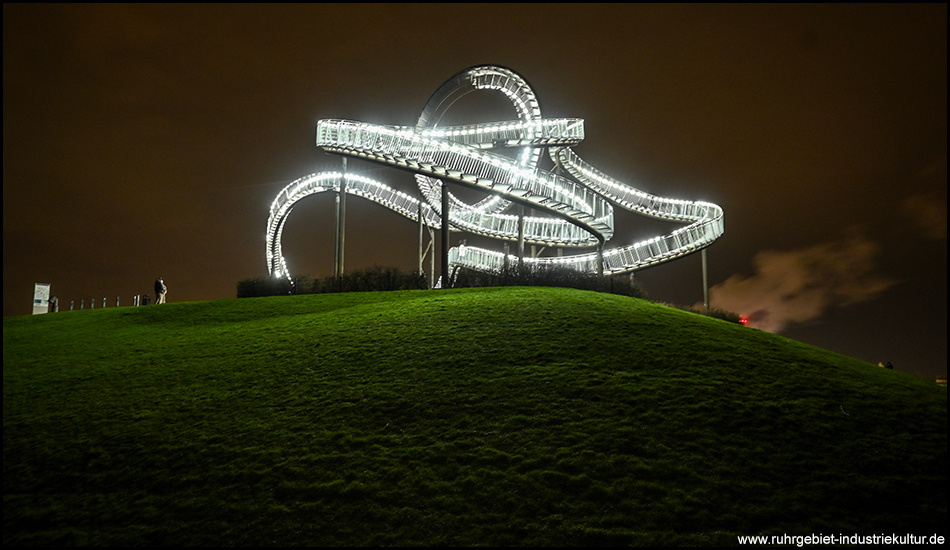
581, 209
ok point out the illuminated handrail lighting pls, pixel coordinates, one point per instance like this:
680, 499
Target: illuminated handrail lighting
578, 204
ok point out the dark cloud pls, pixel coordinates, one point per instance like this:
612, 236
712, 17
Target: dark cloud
926, 209
929, 214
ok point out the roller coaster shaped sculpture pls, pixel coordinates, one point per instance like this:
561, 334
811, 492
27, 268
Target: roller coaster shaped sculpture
579, 207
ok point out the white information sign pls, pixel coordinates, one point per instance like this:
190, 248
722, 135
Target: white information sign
40, 298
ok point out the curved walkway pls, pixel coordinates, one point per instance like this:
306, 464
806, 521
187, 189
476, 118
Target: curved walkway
579, 208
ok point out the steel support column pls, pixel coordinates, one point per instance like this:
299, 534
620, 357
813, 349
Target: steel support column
705, 284
421, 257
520, 237
340, 225
445, 235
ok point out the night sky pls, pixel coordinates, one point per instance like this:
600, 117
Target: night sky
146, 140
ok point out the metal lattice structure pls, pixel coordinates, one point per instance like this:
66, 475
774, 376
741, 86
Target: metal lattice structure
577, 200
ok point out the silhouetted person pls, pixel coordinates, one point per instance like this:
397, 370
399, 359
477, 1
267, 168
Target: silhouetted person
160, 291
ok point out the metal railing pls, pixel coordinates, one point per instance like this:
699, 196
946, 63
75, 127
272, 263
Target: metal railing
578, 205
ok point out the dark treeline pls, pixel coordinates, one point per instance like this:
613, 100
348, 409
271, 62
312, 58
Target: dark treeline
372, 279
379, 278
543, 275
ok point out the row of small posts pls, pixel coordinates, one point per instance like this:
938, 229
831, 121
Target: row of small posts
137, 300
51, 305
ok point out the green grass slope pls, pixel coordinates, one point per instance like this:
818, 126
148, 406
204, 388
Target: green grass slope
524, 416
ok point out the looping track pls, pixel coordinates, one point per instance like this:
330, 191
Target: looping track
579, 208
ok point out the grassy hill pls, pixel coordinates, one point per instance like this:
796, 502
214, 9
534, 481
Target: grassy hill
508, 416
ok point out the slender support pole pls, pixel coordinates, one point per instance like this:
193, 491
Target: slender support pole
336, 234
505, 265
557, 174
600, 260
520, 237
423, 250
445, 235
705, 284
340, 225
420, 238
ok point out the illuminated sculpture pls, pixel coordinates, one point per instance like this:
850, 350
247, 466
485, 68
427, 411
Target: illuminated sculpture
579, 207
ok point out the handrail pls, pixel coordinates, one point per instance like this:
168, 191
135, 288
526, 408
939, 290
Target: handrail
579, 204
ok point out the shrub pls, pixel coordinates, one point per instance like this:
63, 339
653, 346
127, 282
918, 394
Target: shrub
263, 286
714, 312
376, 278
730, 316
